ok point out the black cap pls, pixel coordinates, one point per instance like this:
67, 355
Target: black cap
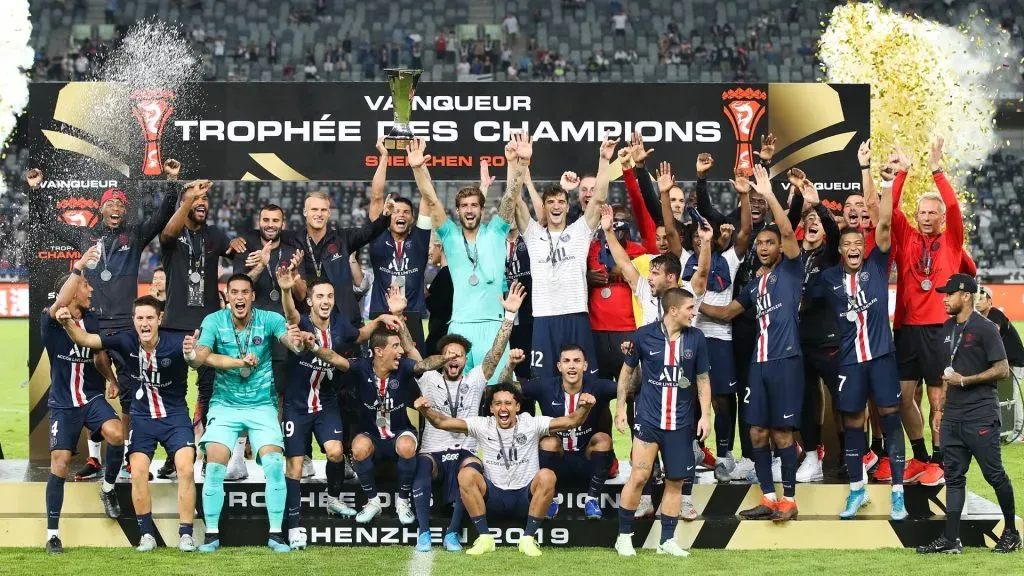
959, 283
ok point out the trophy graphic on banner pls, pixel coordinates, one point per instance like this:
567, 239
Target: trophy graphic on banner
744, 109
402, 83
152, 108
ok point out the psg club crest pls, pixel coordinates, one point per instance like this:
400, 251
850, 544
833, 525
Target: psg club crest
688, 354
864, 276
744, 107
257, 340
565, 237
519, 439
165, 362
393, 384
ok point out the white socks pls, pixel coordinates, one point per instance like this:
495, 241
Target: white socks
857, 485
238, 454
107, 486
771, 497
51, 533
94, 450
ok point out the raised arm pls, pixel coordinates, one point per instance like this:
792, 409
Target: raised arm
380, 179
439, 420
622, 260
699, 280
576, 419
743, 236
883, 229
704, 205
74, 281
152, 226
77, 334
954, 218
356, 238
538, 204
522, 215
665, 183
593, 211
418, 161
790, 247
516, 356
722, 313
644, 222
326, 354
485, 179
194, 191
518, 153
649, 193
286, 280
511, 304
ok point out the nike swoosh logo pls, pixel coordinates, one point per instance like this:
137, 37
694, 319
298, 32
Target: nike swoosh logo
983, 431
556, 403
337, 431
190, 443
731, 384
785, 416
837, 287
594, 371
652, 353
689, 467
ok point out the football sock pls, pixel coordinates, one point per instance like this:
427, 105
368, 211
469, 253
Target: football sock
668, 527
853, 456
54, 501
920, 452
788, 457
480, 522
335, 477
273, 469
894, 444
763, 469
626, 520
184, 529
936, 455
405, 470
532, 523
458, 510
94, 449
600, 463
367, 476
145, 522
294, 501
421, 491
112, 467
213, 496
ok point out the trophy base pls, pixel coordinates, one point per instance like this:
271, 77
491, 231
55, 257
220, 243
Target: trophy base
397, 143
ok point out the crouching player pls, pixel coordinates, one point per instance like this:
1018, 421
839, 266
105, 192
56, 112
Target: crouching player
580, 456
457, 393
159, 412
673, 356
509, 482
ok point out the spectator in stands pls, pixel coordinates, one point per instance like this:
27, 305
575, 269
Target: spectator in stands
685, 53
346, 46
463, 68
441, 46
110, 12
272, 50
511, 26
81, 66
368, 69
254, 52
321, 8
416, 56
384, 56
198, 35
311, 72
619, 20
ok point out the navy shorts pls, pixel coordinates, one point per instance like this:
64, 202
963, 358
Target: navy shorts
173, 432
775, 393
878, 377
387, 448
508, 503
574, 469
447, 464
550, 333
299, 428
66, 423
723, 375
676, 447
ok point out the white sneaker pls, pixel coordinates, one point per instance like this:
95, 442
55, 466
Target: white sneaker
624, 545
307, 467
646, 507
186, 543
724, 468
237, 470
776, 470
744, 471
369, 512
338, 508
146, 543
687, 511
672, 549
297, 538
404, 509
810, 469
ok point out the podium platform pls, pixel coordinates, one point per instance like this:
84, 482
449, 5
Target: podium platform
244, 520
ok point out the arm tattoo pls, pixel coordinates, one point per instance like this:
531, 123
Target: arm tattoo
434, 417
507, 373
430, 363
494, 354
512, 188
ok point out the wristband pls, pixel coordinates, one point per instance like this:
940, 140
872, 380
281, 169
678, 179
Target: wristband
314, 348
511, 317
961, 381
937, 171
424, 222
865, 166
76, 271
191, 355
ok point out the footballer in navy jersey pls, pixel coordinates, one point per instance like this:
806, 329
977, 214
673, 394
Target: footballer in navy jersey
158, 374
76, 396
580, 456
774, 399
673, 359
857, 289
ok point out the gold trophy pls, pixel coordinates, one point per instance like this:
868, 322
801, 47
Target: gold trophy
402, 83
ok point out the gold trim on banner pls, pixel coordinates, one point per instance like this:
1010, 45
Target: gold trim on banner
824, 146
250, 177
272, 163
78, 101
71, 143
796, 111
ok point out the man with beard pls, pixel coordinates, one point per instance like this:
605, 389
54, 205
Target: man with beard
236, 343
399, 258
926, 256
774, 395
970, 425
857, 290
819, 335
115, 279
158, 284
159, 413
266, 254
507, 480
558, 266
191, 252
476, 253
458, 393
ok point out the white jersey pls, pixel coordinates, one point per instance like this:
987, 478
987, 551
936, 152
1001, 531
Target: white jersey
710, 327
651, 304
511, 457
558, 268
465, 393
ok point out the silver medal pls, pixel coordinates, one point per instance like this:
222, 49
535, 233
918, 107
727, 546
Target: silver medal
606, 292
194, 277
851, 316
684, 382
275, 295
948, 371
473, 280
245, 371
106, 275
382, 422
398, 281
92, 264
926, 284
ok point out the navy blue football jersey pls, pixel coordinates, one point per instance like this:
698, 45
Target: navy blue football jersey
775, 298
385, 398
74, 380
861, 303
555, 402
159, 378
668, 378
394, 261
309, 378
517, 268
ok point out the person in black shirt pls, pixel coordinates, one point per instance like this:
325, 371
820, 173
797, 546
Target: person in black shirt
1011, 339
970, 419
190, 253
440, 294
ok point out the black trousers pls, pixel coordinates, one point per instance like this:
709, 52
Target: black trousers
980, 440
